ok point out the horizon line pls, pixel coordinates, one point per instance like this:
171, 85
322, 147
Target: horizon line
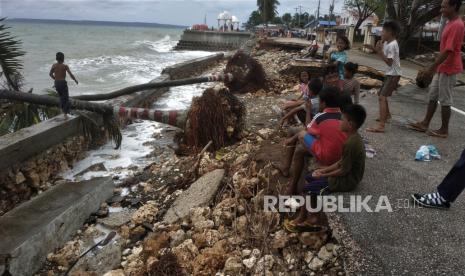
95, 21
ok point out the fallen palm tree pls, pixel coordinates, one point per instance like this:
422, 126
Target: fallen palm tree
217, 115
154, 85
242, 73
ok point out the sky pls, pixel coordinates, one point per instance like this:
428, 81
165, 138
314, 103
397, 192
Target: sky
177, 12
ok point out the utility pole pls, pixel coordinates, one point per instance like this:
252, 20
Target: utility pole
300, 13
318, 12
297, 16
331, 11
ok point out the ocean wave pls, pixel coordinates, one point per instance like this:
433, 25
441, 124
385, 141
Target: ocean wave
163, 45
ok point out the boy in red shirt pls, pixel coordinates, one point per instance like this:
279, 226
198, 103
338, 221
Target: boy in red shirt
323, 139
445, 69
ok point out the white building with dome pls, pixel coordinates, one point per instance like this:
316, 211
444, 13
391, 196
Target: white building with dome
227, 22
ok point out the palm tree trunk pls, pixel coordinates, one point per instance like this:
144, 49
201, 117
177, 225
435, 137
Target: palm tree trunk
153, 85
172, 117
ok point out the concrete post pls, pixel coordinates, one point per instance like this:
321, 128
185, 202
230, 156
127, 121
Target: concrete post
333, 37
368, 37
351, 33
320, 34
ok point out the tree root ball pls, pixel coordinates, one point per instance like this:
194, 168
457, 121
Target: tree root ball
216, 116
423, 80
248, 73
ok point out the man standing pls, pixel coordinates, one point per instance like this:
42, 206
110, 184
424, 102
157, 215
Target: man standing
445, 69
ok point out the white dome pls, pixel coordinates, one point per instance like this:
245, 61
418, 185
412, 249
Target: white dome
226, 15
235, 19
220, 16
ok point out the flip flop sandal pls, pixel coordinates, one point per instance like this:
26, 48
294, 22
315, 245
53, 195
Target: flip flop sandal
413, 126
307, 227
435, 134
289, 226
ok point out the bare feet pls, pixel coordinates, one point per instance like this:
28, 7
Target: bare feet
282, 169
66, 117
418, 126
387, 120
378, 129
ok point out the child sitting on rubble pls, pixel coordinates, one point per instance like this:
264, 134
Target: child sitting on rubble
323, 139
351, 84
314, 88
342, 176
339, 57
304, 80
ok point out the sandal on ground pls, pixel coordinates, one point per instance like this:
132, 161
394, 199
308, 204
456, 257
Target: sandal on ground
436, 134
289, 226
416, 127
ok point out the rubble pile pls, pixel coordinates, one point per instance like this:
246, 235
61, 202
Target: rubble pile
233, 236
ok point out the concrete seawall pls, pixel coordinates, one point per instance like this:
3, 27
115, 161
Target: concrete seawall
212, 40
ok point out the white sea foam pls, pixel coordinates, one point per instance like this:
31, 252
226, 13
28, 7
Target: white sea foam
134, 149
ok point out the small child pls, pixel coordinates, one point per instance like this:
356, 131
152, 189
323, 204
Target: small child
58, 73
304, 79
342, 176
314, 88
340, 56
388, 50
351, 84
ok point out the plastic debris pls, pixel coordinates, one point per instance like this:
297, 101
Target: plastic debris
427, 153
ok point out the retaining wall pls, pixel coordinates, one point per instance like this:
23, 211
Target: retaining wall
212, 40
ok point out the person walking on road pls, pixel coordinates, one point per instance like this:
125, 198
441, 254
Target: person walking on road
445, 69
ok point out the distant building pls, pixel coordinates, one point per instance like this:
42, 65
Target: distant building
350, 17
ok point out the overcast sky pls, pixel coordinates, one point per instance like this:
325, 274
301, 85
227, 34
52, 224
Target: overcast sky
178, 12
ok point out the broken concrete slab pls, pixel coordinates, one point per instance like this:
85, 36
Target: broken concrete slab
39, 226
117, 219
200, 193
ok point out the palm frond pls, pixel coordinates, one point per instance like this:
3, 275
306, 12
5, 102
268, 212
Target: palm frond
95, 131
19, 115
10, 54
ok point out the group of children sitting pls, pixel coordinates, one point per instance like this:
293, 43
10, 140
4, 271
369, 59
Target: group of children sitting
329, 109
